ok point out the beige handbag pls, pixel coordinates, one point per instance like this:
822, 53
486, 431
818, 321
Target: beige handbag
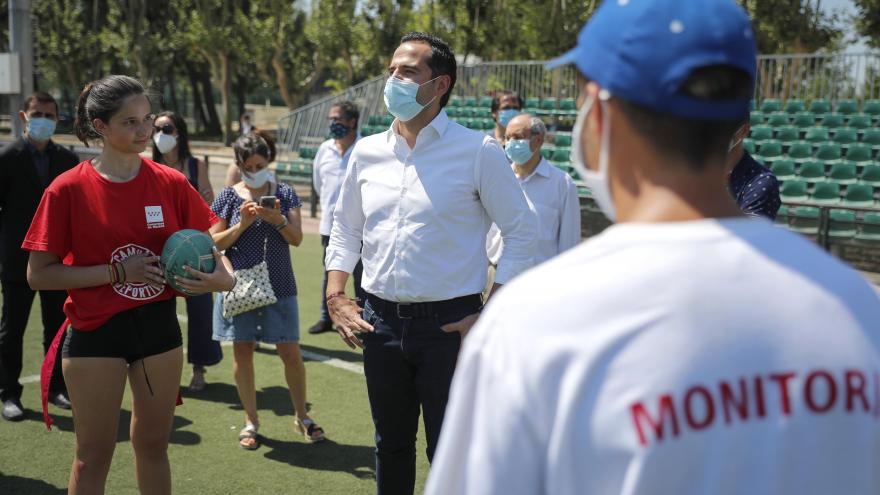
252, 290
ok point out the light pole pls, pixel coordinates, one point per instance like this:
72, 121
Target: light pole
21, 43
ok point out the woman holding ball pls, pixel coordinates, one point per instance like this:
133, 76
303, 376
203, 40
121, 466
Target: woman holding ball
96, 234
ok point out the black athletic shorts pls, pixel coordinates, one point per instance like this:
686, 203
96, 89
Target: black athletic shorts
134, 334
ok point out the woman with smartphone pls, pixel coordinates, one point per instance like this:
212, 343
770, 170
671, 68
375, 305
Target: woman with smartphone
259, 220
171, 148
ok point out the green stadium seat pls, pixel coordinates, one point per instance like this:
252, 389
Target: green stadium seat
778, 119
783, 169
828, 152
803, 120
787, 134
782, 215
547, 152
794, 106
843, 173
804, 220
485, 102
568, 105
387, 120
871, 107
761, 133
563, 140
756, 117
816, 135
846, 135
549, 104
812, 171
800, 150
469, 101
832, 121
455, 101
820, 106
770, 105
847, 107
452, 112
872, 137
859, 195
871, 175
532, 104
769, 151
869, 229
482, 113
841, 224
561, 155
374, 119
860, 121
749, 146
793, 190
859, 153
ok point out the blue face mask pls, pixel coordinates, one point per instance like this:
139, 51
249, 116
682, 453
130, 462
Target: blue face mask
339, 131
519, 151
400, 98
40, 129
505, 115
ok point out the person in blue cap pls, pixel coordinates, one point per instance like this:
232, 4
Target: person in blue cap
688, 349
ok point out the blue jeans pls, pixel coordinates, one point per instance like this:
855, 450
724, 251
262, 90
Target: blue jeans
408, 365
356, 275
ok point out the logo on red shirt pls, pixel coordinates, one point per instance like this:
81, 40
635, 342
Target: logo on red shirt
135, 291
155, 219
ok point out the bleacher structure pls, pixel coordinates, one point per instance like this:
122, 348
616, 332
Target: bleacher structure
815, 122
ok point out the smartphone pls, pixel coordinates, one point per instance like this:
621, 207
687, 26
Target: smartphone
267, 201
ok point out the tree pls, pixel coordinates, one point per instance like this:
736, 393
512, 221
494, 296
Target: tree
791, 26
867, 20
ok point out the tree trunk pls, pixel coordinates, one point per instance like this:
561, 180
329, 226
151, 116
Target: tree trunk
240, 88
198, 109
282, 80
226, 96
175, 105
212, 125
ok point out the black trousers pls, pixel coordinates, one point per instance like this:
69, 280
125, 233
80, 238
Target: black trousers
17, 301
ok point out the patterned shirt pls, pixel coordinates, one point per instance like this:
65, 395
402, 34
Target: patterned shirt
755, 188
249, 248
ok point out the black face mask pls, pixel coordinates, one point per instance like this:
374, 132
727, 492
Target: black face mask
339, 131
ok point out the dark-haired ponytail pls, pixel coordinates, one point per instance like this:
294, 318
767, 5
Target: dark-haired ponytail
82, 127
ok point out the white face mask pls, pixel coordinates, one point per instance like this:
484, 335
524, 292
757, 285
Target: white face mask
596, 181
164, 142
255, 180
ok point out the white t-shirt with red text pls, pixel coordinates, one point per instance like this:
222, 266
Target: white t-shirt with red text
706, 357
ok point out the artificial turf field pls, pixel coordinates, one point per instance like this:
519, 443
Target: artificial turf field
204, 452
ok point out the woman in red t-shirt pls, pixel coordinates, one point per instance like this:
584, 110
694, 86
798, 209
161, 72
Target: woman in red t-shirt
96, 234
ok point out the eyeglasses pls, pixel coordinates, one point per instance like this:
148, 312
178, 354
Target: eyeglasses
164, 129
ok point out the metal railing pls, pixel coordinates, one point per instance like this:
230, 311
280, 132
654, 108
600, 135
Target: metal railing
809, 76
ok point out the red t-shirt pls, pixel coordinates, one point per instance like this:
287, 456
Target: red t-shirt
87, 220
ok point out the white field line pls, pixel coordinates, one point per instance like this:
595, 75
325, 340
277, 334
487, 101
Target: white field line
309, 355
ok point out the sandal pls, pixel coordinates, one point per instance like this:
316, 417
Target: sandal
248, 434
198, 383
310, 430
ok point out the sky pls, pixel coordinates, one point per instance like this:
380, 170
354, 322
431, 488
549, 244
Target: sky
846, 6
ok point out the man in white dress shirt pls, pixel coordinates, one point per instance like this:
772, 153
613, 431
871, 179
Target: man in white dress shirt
328, 170
421, 197
551, 191
688, 349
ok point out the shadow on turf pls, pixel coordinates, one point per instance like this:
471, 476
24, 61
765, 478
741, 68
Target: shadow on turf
328, 455
350, 356
178, 436
17, 484
274, 399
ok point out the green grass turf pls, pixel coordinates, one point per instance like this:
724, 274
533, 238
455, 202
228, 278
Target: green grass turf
205, 457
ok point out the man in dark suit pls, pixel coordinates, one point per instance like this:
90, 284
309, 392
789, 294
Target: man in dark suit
27, 166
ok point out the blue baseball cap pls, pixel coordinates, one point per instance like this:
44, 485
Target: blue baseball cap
643, 50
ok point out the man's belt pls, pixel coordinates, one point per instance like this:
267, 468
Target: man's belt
423, 310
